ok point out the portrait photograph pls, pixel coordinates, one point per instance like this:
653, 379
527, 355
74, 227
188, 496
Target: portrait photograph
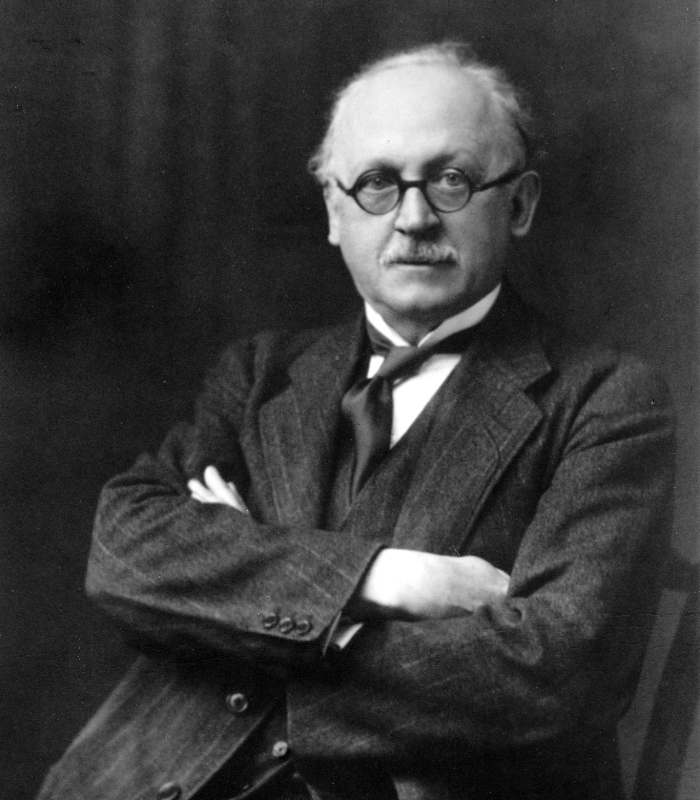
349, 400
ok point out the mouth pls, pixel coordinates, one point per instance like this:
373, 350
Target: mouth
417, 262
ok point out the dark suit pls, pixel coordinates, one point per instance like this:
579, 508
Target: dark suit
550, 459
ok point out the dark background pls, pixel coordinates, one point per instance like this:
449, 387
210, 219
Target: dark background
154, 204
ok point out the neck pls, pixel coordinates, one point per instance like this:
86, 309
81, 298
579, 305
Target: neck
414, 331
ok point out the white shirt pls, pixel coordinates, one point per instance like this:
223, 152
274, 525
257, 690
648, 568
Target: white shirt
412, 394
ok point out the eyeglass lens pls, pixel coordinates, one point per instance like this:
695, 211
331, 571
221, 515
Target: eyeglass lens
379, 194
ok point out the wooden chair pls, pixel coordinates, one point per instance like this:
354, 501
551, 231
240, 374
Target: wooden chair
660, 734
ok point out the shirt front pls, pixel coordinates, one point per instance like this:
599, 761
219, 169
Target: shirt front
413, 393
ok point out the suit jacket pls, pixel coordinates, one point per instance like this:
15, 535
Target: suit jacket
548, 458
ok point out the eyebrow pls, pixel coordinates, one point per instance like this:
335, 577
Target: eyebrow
454, 159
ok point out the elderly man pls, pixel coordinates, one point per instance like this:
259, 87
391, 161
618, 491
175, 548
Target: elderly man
409, 557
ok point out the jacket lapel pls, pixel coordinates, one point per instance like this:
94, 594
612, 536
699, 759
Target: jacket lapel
483, 419
299, 424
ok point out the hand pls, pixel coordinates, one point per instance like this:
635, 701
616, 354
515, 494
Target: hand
411, 585
216, 490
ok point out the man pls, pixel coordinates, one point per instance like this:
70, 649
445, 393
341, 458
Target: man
421, 573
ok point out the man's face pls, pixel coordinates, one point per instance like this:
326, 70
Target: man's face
414, 265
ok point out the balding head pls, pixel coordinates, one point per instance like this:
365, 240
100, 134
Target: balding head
507, 121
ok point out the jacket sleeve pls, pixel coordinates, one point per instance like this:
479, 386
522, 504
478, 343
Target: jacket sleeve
558, 659
187, 578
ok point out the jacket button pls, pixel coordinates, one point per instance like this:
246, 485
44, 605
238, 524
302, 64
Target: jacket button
514, 614
169, 791
270, 620
280, 749
238, 703
304, 626
286, 625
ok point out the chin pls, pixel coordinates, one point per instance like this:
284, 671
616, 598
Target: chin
425, 315
424, 302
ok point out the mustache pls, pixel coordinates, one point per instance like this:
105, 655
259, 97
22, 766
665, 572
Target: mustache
418, 253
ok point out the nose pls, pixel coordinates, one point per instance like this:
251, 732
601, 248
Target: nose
415, 214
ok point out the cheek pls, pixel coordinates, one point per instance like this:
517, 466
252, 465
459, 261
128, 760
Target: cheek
482, 237
361, 237
359, 259
361, 246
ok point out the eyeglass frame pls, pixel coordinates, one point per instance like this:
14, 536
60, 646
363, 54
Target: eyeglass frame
422, 185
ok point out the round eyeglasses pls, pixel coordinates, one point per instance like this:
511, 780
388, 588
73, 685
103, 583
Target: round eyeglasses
380, 191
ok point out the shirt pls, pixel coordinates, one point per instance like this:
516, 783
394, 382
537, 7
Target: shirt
413, 393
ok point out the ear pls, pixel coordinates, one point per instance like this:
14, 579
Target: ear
526, 193
330, 195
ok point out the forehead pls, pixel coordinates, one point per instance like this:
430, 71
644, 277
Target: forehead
412, 115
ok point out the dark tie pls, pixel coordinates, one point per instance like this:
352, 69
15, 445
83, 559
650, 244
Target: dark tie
368, 405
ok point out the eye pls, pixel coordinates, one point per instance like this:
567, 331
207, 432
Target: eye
375, 182
451, 178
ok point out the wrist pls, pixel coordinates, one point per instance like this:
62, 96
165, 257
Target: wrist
386, 586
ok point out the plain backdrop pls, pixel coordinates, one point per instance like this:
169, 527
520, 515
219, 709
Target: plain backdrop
154, 204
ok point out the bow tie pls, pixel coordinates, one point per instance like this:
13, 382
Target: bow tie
368, 404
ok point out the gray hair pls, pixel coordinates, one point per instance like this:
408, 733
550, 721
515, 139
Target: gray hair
508, 103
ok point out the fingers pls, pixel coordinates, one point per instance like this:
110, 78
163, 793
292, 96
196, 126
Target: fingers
198, 492
216, 490
505, 578
478, 582
226, 492
482, 567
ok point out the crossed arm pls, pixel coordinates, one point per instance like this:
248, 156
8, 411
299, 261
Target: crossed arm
399, 584
557, 655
